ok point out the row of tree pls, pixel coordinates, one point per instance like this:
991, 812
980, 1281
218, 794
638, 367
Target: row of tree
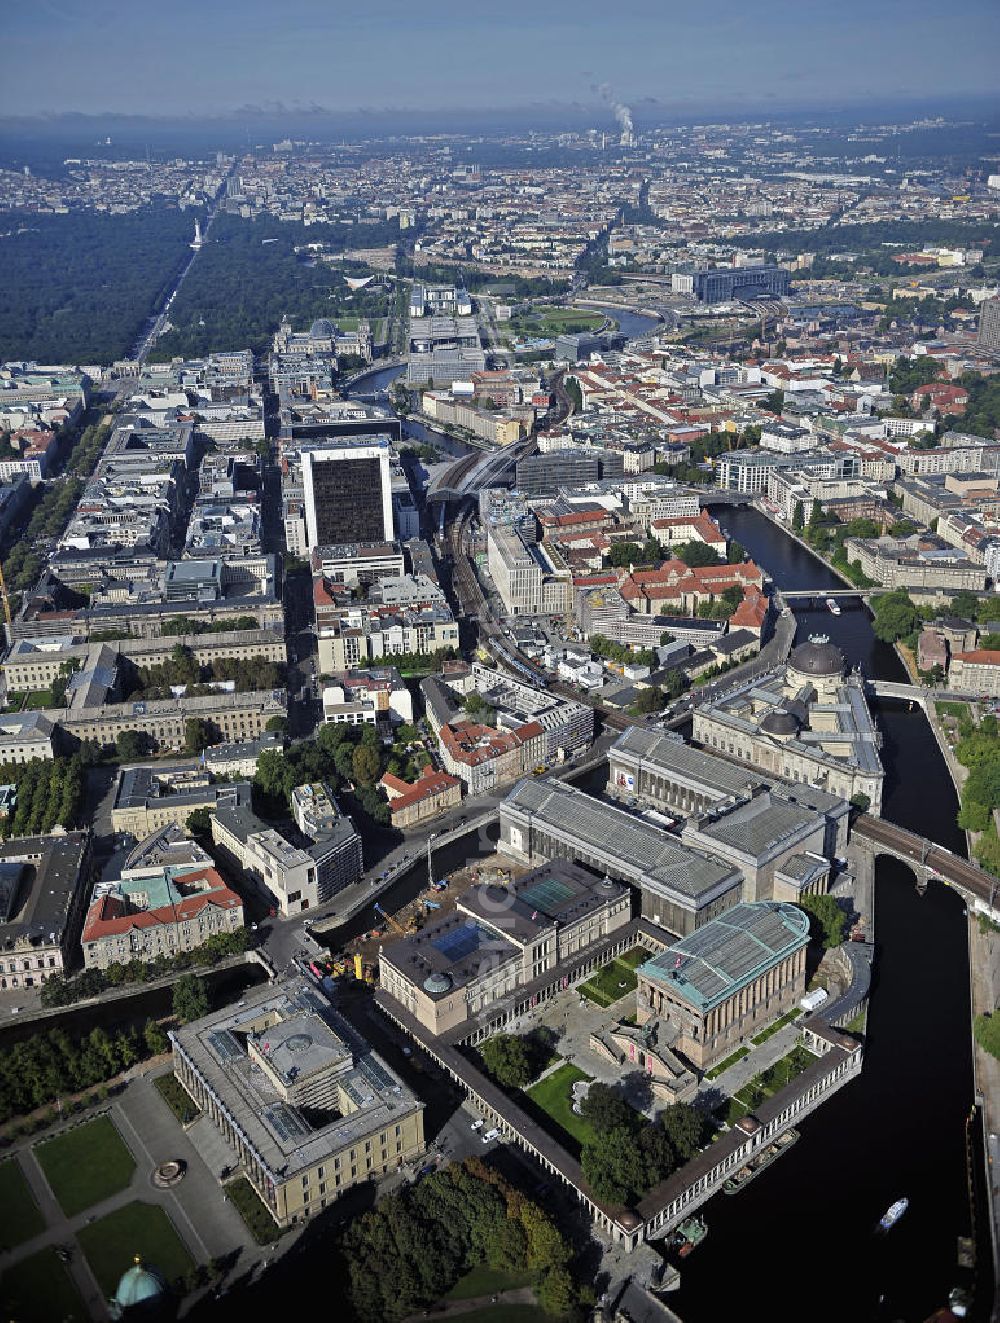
179, 625
415, 1244
50, 793
49, 1065
62, 991
182, 668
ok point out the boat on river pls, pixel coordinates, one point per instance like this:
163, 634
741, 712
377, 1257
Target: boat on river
893, 1213
832, 606
760, 1162
689, 1235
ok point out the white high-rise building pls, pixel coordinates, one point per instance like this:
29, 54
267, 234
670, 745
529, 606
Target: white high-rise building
347, 490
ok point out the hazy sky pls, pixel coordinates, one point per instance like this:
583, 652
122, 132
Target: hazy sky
210, 56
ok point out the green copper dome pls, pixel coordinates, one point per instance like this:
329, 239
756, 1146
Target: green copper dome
139, 1286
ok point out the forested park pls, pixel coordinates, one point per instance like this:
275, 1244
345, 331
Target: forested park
79, 288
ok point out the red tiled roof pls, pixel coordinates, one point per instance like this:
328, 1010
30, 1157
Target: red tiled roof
108, 916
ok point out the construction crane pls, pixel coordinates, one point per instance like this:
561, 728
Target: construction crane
6, 599
394, 924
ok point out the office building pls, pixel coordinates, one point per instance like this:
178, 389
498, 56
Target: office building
727, 981
741, 284
148, 798
167, 900
989, 325
348, 493
308, 1109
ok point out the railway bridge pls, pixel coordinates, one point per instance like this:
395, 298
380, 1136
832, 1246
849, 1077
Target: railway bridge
873, 837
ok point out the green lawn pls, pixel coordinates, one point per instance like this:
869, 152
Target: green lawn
39, 1290
768, 1083
112, 1243
176, 1097
554, 1096
86, 1165
484, 1280
951, 709
738, 1055
554, 321
779, 1023
614, 981
20, 1218
253, 1211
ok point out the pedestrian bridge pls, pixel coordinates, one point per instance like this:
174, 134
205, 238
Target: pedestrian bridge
917, 693
926, 859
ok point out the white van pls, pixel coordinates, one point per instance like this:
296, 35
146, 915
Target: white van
490, 1135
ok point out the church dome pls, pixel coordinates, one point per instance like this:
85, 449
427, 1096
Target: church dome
817, 657
140, 1287
322, 329
779, 722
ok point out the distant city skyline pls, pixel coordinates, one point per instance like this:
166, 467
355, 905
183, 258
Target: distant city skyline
655, 57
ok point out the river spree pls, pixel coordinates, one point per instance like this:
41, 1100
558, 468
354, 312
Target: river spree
800, 1242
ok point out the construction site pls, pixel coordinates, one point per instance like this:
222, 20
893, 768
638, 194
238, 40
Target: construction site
359, 957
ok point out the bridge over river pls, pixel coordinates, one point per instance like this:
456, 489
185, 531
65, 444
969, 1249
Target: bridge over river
877, 836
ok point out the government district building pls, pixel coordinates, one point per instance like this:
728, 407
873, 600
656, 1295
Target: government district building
498, 940
805, 722
725, 982
681, 888
168, 898
44, 883
306, 1105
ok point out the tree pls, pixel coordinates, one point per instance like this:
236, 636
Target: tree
277, 725
816, 514
684, 1127
798, 517
736, 553
507, 1058
196, 735
155, 1038
556, 1293
190, 1000
130, 745
365, 765
895, 616
199, 823
605, 1109
648, 700
696, 553
775, 401
477, 707
613, 1166
827, 920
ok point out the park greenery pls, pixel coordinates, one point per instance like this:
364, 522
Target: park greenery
26, 560
621, 653
827, 920
695, 554
248, 276
182, 625
351, 757
60, 990
514, 1060
978, 749
625, 554
190, 999
628, 1154
181, 668
52, 1064
79, 288
50, 793
982, 413
416, 1243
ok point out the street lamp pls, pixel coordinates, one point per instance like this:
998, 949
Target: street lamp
430, 866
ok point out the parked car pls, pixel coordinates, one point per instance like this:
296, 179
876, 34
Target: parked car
477, 1124
490, 1135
